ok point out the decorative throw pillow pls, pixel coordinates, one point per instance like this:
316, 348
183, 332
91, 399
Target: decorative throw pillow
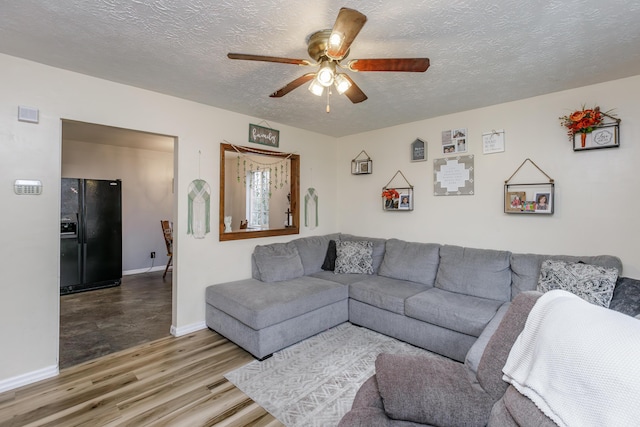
354, 257
329, 263
592, 283
626, 296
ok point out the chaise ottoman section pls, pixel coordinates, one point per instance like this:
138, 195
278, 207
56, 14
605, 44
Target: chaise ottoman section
266, 317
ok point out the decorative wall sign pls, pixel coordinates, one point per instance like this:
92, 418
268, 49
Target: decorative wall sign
454, 141
418, 151
453, 176
263, 135
605, 136
493, 142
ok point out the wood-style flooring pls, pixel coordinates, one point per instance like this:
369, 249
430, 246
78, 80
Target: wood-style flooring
103, 321
167, 382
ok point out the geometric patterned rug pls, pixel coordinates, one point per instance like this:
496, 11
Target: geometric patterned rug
313, 383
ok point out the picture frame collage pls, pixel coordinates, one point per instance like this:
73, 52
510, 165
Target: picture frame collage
519, 202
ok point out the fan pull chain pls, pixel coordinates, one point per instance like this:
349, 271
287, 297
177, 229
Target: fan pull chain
328, 100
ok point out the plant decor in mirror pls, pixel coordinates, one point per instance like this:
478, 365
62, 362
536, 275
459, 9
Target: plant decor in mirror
260, 190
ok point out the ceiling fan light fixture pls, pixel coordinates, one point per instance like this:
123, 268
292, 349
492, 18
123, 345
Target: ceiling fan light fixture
335, 40
316, 88
342, 83
326, 73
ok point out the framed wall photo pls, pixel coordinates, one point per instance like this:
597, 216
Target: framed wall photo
605, 136
542, 202
418, 151
514, 201
405, 201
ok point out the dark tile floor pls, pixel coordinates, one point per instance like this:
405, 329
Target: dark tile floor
103, 321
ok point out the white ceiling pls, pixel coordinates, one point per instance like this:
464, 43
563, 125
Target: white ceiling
482, 53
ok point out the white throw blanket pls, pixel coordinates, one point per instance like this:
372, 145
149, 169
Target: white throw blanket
579, 363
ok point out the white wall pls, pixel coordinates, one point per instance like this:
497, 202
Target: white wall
29, 225
147, 196
596, 203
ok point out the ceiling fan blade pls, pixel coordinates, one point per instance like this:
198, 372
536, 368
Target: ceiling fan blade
268, 59
414, 65
347, 26
354, 93
292, 85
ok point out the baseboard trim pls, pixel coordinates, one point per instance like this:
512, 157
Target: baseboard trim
184, 330
143, 270
28, 378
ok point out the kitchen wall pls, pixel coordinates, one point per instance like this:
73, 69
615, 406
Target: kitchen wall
147, 196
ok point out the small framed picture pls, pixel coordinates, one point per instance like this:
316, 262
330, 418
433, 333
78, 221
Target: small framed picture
542, 202
514, 202
405, 201
418, 151
361, 167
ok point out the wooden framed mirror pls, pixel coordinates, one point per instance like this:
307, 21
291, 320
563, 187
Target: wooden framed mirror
260, 187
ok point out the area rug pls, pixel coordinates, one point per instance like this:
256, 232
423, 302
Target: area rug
313, 383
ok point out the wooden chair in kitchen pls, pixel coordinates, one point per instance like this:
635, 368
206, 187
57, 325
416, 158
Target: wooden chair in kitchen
167, 231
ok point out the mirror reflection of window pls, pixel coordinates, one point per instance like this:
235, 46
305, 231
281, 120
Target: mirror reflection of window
258, 193
270, 206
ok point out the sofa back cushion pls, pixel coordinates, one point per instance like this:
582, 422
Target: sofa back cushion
416, 262
378, 248
277, 262
526, 268
483, 273
313, 250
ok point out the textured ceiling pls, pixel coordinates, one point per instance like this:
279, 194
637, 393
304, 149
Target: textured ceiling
482, 53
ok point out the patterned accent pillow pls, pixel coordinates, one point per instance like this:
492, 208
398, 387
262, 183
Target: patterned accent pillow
354, 257
590, 282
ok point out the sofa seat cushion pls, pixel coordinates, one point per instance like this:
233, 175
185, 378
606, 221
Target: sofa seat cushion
345, 279
462, 313
385, 293
258, 304
433, 391
417, 262
483, 273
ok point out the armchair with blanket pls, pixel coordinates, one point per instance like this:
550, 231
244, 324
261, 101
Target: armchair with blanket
416, 391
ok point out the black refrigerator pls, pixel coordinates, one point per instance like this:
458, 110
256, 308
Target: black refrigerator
90, 234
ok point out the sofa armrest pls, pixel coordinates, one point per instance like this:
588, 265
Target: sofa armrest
368, 395
431, 391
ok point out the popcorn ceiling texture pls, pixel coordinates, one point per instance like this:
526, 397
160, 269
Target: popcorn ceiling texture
481, 54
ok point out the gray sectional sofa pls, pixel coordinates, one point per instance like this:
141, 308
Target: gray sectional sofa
443, 298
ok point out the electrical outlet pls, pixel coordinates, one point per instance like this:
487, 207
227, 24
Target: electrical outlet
153, 254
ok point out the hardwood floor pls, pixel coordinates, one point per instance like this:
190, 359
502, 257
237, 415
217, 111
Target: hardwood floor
167, 382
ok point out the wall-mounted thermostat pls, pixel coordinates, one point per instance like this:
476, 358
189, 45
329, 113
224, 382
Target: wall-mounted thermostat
29, 187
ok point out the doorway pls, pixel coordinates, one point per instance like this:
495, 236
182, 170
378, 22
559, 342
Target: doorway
145, 164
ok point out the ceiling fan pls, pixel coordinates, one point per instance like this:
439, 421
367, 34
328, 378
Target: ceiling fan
329, 48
